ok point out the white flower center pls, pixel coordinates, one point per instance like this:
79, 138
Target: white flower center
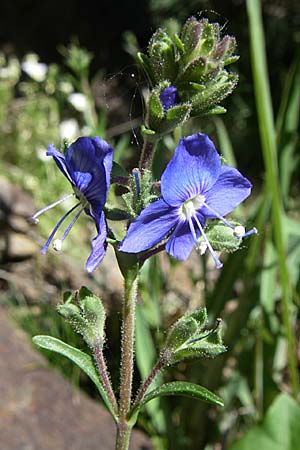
189, 207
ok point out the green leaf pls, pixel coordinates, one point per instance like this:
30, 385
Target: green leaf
118, 171
175, 117
78, 357
179, 388
280, 429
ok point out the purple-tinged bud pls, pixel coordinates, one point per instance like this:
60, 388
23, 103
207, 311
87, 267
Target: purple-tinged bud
169, 97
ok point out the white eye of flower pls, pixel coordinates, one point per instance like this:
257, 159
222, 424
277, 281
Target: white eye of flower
37, 71
78, 101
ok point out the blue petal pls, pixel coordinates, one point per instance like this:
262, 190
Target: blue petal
99, 246
151, 226
229, 191
194, 168
181, 242
169, 97
60, 161
89, 161
82, 180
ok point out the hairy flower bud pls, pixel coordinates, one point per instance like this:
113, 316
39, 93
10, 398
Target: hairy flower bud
85, 313
193, 63
188, 338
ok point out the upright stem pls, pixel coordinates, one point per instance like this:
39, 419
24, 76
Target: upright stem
147, 154
128, 328
268, 139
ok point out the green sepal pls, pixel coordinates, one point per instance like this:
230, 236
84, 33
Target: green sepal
215, 92
155, 110
194, 71
222, 237
182, 388
146, 131
175, 117
81, 359
162, 56
217, 110
144, 61
231, 60
179, 44
85, 313
208, 38
188, 338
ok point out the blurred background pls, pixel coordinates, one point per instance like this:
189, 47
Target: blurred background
67, 68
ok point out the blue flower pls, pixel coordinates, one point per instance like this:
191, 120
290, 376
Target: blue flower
169, 97
87, 166
195, 186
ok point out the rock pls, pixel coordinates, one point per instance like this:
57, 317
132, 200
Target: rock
40, 410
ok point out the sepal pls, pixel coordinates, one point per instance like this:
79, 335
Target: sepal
162, 56
188, 338
85, 312
158, 120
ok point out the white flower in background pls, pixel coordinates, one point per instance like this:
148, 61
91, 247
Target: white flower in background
69, 129
41, 154
36, 70
78, 101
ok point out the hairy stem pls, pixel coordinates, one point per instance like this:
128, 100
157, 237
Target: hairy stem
98, 355
156, 369
128, 328
147, 154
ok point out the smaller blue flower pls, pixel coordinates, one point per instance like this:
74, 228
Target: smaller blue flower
169, 97
87, 165
195, 186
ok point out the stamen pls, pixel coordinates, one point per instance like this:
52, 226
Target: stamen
219, 216
68, 229
47, 243
249, 233
57, 244
34, 219
137, 182
218, 263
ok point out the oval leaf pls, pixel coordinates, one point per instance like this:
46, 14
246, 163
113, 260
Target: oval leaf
179, 388
78, 357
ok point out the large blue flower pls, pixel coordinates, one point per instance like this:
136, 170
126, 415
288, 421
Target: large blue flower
195, 186
87, 166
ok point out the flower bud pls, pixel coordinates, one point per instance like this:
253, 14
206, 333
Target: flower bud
85, 313
193, 63
162, 56
188, 338
223, 237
